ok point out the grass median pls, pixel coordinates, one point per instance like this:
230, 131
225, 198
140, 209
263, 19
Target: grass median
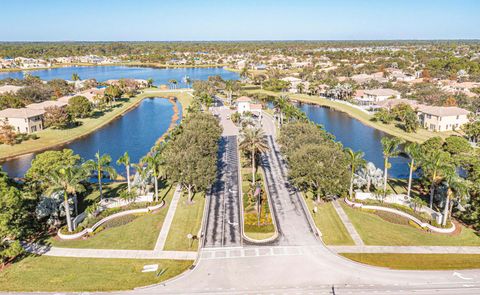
61, 274
417, 261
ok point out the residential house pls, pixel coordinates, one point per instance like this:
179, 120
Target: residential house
9, 88
293, 83
372, 97
43, 106
442, 118
244, 104
23, 120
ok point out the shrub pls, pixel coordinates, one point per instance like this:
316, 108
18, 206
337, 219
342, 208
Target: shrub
119, 221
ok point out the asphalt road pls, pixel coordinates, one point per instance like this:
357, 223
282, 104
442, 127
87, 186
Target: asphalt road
223, 226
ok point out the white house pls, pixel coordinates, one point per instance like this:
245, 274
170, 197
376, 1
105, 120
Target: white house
23, 120
371, 97
293, 83
244, 104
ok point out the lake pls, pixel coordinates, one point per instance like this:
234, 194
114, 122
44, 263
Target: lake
103, 73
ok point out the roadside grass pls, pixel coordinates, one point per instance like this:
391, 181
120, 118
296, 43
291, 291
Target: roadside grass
420, 136
62, 274
187, 220
139, 234
329, 223
417, 261
49, 137
376, 231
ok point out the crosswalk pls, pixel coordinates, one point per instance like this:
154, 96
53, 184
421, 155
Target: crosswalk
246, 252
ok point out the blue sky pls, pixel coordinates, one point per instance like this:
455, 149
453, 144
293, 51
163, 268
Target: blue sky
90, 20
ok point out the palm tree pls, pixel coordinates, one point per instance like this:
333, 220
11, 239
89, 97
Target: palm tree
413, 151
300, 88
356, 161
188, 81
244, 73
457, 188
75, 77
435, 164
101, 164
155, 161
390, 150
125, 160
150, 82
69, 180
231, 86
255, 142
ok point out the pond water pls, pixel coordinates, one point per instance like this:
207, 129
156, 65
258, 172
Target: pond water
135, 132
103, 73
357, 136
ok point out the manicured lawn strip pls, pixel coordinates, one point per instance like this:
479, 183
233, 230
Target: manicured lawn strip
417, 261
329, 223
376, 231
420, 136
139, 234
187, 220
62, 274
49, 137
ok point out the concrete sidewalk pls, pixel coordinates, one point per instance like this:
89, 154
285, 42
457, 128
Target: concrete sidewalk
109, 253
162, 237
407, 249
348, 225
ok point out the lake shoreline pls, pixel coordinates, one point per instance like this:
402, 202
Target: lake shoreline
140, 97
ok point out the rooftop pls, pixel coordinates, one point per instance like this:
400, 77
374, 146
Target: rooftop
20, 113
244, 99
9, 88
382, 92
46, 104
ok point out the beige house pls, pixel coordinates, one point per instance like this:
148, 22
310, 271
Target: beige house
372, 97
47, 104
442, 118
23, 120
9, 88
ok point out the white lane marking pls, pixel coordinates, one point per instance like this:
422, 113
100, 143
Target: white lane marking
459, 275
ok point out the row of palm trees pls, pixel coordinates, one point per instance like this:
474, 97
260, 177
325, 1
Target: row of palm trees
70, 180
434, 165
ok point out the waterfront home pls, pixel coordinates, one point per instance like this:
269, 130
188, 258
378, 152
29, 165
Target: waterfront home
23, 120
9, 89
442, 118
433, 118
371, 97
47, 104
365, 78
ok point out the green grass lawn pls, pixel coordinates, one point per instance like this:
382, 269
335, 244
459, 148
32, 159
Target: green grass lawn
187, 220
420, 136
329, 223
49, 137
417, 261
376, 231
139, 234
61, 274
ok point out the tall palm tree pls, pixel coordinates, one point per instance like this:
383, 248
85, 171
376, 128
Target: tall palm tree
435, 165
125, 160
69, 180
150, 82
300, 88
356, 161
244, 73
101, 165
155, 161
75, 77
255, 142
390, 150
457, 188
413, 151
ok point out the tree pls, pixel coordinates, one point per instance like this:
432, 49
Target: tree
125, 160
75, 77
150, 82
79, 107
383, 116
390, 150
101, 165
7, 134
57, 117
435, 164
46, 163
321, 169
155, 162
244, 73
356, 161
231, 86
457, 188
68, 180
14, 218
112, 92
413, 151
254, 142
